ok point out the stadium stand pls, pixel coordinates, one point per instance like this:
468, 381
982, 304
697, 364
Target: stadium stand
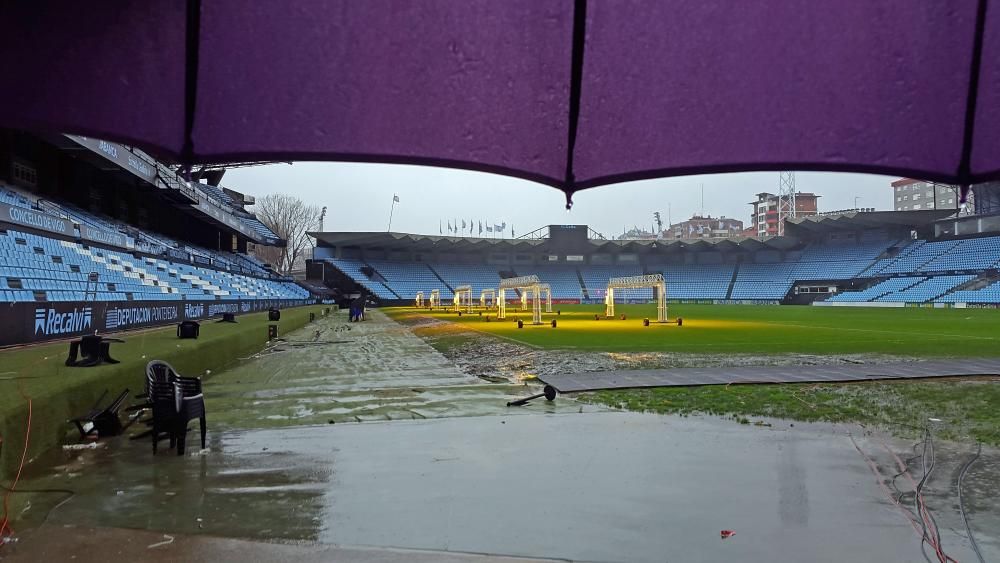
595, 279
479, 276
888, 269
563, 278
698, 281
406, 279
11, 197
224, 200
878, 290
987, 294
353, 269
95, 235
926, 289
37, 268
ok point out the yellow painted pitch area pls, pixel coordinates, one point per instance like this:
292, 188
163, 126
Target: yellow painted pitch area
742, 329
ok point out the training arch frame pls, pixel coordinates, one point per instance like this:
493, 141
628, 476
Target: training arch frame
655, 281
524, 283
418, 301
463, 295
435, 298
545, 290
492, 293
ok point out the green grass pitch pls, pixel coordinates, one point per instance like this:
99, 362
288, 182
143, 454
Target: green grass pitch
739, 329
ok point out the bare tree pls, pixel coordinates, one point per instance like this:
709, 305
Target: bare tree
289, 218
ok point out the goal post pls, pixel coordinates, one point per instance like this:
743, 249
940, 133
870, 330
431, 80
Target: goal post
654, 281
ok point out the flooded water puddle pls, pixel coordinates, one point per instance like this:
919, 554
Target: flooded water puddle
597, 486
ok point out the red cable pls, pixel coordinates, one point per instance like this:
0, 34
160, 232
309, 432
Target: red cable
921, 505
5, 523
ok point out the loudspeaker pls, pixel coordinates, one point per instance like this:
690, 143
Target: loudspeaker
188, 329
520, 324
312, 317
680, 321
553, 323
272, 332
645, 322
227, 318
273, 315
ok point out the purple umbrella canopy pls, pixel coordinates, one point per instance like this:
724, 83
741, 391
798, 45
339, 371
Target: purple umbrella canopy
573, 94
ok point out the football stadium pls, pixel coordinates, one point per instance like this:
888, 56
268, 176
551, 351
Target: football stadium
211, 350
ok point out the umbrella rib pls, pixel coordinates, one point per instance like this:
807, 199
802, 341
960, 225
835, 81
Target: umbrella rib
192, 47
576, 82
965, 165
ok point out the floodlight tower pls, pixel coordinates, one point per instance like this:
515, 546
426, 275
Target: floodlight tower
786, 199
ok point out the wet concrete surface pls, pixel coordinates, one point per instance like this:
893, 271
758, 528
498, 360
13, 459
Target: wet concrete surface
352, 372
944, 462
98, 545
597, 486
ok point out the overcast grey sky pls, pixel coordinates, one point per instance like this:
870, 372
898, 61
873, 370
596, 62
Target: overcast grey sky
359, 196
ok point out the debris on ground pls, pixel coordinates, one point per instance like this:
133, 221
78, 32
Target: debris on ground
497, 360
87, 446
166, 541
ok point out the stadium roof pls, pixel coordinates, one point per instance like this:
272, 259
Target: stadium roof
797, 228
857, 220
405, 241
573, 94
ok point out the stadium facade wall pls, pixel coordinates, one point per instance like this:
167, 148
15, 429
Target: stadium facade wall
24, 323
19, 216
898, 305
892, 304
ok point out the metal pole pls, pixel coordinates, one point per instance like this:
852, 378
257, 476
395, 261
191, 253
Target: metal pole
536, 306
391, 209
661, 303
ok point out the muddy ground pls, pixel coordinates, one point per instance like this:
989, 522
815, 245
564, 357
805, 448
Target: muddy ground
498, 359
